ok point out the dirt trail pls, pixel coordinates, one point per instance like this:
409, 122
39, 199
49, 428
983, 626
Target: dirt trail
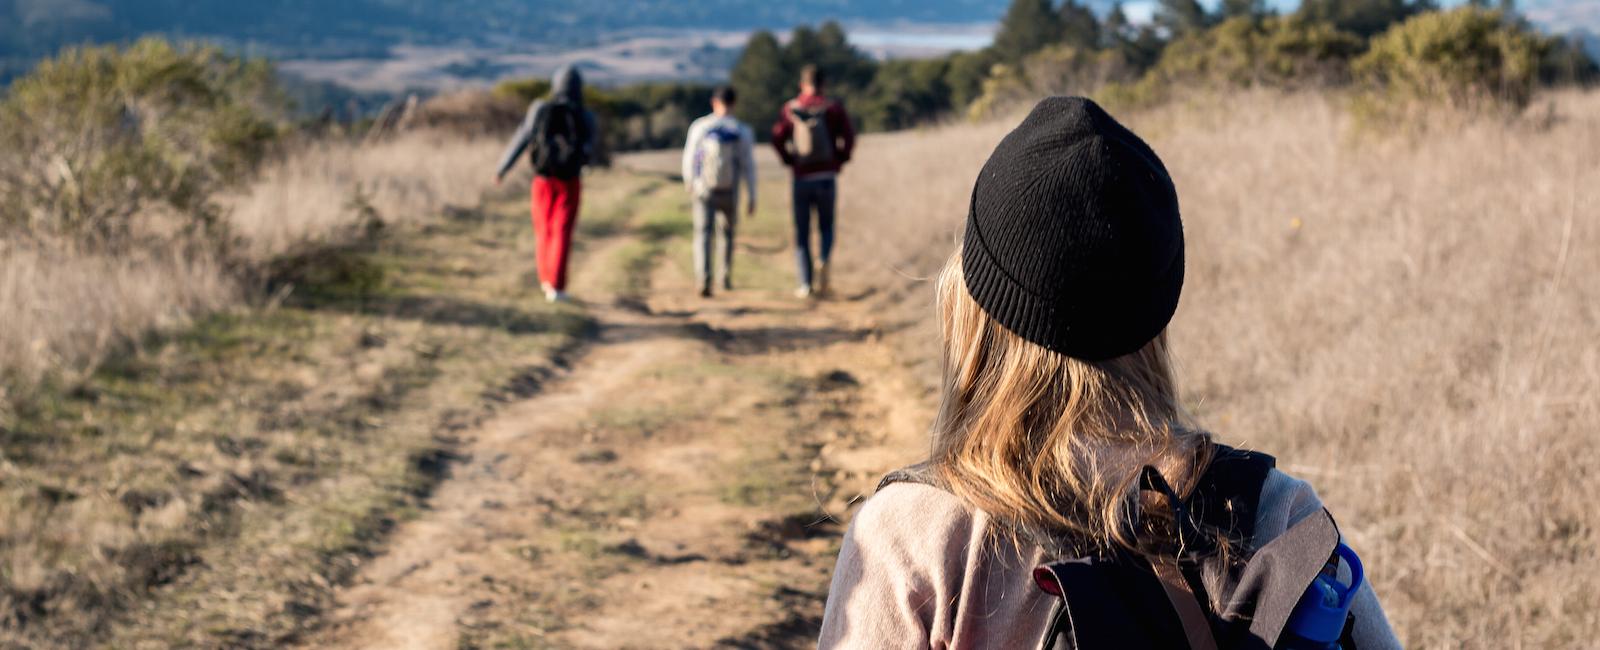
680, 484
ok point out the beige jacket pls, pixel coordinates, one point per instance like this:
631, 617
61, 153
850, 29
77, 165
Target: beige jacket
917, 571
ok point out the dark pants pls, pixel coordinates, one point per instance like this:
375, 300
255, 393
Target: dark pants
808, 194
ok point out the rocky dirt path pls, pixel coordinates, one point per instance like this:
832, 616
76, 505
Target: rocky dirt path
681, 483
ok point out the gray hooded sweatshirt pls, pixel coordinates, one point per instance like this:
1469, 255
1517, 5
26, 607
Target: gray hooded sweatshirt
566, 87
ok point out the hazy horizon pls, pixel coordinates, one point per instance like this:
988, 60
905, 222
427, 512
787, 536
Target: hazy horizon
395, 46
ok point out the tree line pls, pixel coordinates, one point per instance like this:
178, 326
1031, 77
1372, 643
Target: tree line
1045, 46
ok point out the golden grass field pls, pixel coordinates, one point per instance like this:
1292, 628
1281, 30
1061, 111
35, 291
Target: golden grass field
68, 308
1405, 317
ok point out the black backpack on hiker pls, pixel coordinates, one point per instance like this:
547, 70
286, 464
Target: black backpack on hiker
560, 136
1123, 600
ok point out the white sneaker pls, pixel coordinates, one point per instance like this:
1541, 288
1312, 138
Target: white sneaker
559, 296
803, 292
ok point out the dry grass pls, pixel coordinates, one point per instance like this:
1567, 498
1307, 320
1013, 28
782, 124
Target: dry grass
67, 308
209, 487
313, 195
1408, 321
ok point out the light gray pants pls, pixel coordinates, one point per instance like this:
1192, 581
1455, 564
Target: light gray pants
706, 221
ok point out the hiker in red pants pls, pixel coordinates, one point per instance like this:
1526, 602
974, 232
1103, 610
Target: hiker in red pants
560, 135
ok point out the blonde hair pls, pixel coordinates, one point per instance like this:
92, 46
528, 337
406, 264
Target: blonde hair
1047, 443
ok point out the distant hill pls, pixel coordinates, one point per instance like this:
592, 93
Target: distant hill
343, 28
371, 29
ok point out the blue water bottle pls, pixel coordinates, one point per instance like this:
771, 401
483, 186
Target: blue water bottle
1318, 619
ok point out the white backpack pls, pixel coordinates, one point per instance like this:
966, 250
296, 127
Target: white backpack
717, 160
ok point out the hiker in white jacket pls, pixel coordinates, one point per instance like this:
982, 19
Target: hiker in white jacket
718, 158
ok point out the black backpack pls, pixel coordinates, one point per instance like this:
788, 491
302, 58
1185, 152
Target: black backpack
560, 136
1120, 599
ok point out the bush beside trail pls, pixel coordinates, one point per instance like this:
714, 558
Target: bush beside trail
100, 141
1469, 58
144, 186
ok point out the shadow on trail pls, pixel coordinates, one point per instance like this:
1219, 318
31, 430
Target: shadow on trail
446, 310
798, 629
632, 548
763, 340
348, 279
739, 340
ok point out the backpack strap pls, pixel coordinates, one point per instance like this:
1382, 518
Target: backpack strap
1276, 577
1190, 608
920, 473
1191, 613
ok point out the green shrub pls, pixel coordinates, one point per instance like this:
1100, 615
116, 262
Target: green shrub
522, 90
92, 139
1364, 18
1564, 61
904, 93
1284, 51
1055, 70
1464, 58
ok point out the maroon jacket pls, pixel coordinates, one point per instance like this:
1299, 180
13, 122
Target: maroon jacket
844, 135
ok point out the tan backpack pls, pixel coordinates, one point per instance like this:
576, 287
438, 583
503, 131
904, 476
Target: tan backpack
812, 143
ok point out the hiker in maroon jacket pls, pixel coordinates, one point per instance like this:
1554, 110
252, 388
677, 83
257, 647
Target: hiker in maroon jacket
814, 139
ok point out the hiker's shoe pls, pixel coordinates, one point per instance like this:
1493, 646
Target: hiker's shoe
803, 292
822, 280
705, 292
556, 295
727, 284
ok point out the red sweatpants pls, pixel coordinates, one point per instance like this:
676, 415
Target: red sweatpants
555, 212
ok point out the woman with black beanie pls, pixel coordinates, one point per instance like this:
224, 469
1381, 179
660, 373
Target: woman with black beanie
1068, 498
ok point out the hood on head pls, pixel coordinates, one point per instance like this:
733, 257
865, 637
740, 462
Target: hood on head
567, 85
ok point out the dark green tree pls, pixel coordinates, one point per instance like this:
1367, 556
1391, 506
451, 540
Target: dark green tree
1027, 26
1079, 27
1564, 62
965, 74
849, 71
763, 80
1144, 49
904, 93
805, 46
1179, 17
1139, 47
1246, 8
1116, 25
1364, 18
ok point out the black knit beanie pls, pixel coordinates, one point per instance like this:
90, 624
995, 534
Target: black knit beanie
1073, 239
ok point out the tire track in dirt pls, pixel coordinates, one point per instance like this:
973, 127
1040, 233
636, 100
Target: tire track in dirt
676, 486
